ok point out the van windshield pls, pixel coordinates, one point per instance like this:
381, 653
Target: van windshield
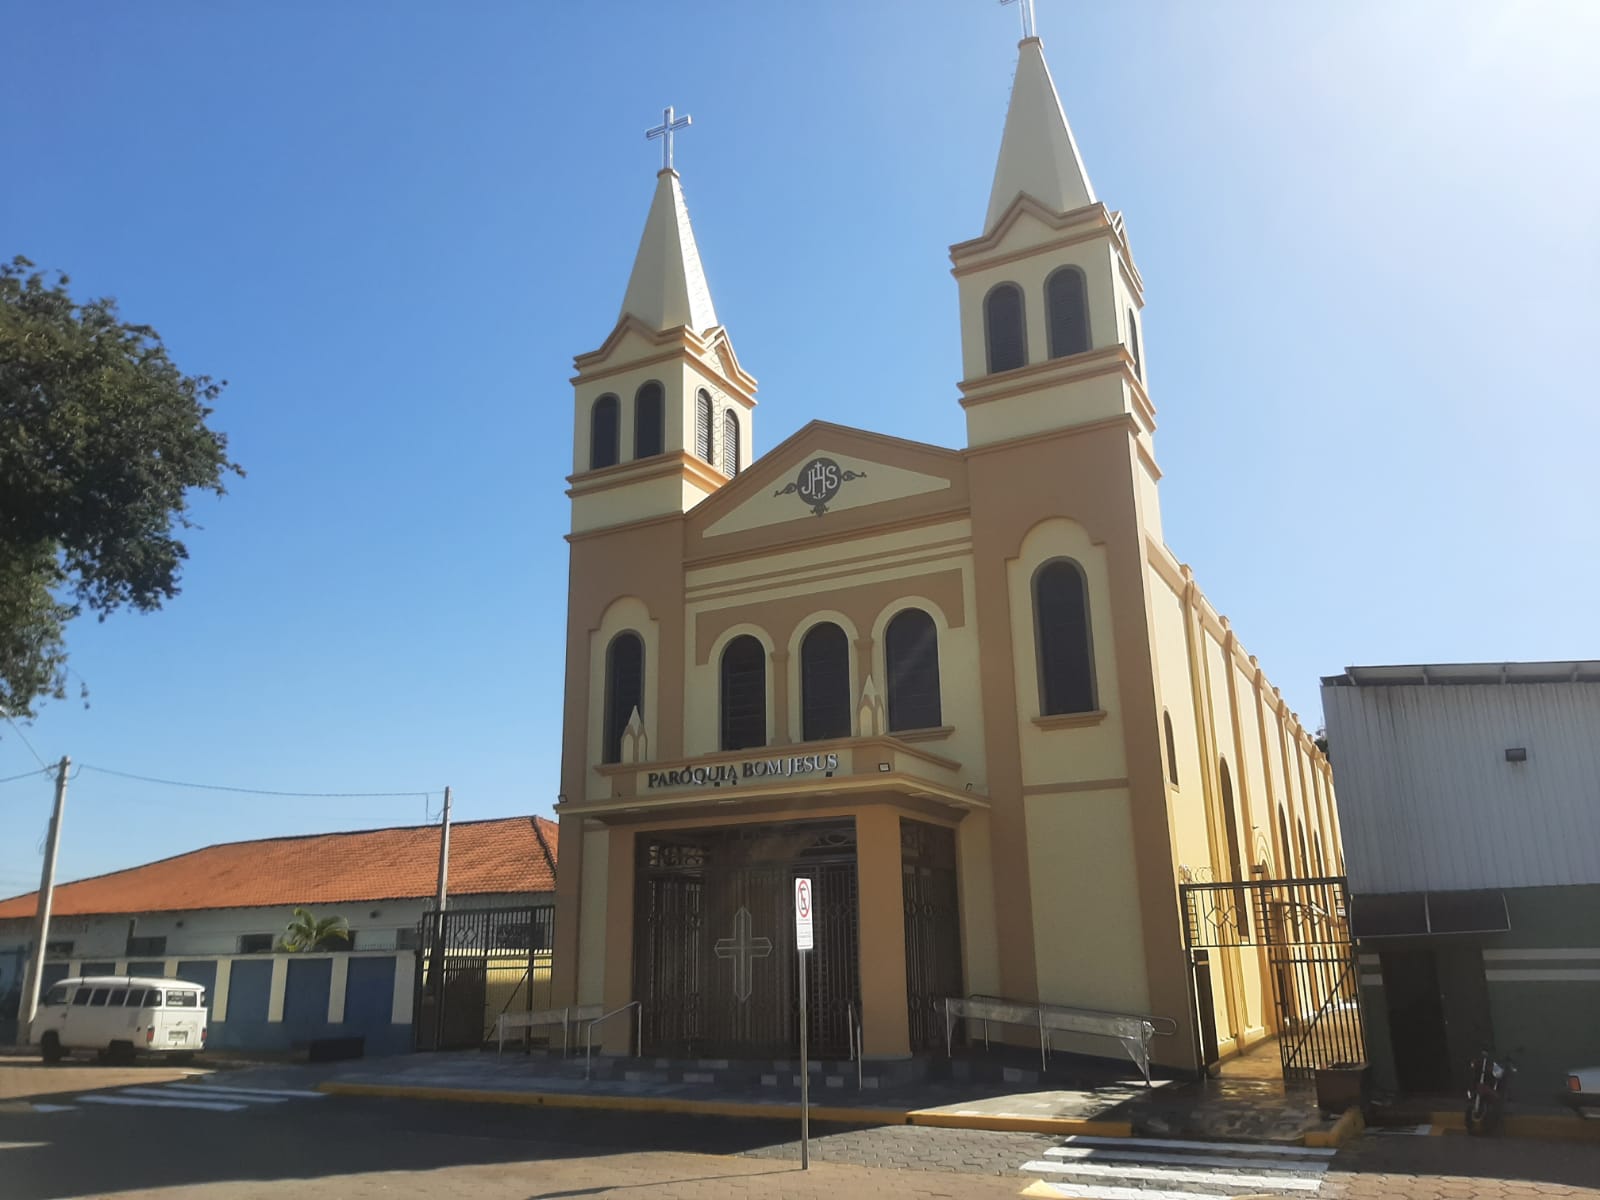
56, 995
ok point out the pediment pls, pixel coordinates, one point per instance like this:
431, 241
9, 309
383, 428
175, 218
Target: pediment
826, 473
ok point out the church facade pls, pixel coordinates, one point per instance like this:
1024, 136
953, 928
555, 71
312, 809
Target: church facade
970, 693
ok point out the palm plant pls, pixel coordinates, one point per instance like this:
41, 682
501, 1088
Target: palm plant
306, 932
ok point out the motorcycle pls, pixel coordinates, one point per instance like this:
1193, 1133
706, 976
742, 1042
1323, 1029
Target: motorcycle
1486, 1093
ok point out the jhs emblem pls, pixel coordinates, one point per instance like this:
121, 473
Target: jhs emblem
818, 483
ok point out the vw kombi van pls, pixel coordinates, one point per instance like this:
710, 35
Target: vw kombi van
121, 1016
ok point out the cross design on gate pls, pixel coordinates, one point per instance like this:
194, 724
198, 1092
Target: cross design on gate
744, 950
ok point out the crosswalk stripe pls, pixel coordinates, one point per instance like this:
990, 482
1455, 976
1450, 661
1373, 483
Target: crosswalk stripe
189, 1089
1072, 1191
253, 1091
1135, 1155
1211, 1147
143, 1102
1168, 1175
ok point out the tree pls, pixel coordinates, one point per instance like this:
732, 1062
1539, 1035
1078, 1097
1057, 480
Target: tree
102, 439
306, 932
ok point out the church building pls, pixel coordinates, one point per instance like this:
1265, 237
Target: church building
968, 692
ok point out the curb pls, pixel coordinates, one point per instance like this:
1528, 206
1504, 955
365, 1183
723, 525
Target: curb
994, 1122
1528, 1125
1346, 1129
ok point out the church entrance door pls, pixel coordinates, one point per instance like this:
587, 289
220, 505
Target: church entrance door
714, 956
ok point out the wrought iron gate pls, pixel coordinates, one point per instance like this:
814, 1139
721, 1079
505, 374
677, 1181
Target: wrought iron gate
474, 964
1304, 927
714, 956
933, 928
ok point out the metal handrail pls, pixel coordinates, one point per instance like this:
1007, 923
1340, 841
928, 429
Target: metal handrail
1134, 1031
857, 1039
588, 1032
548, 1016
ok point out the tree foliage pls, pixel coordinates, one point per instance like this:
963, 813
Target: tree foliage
102, 439
306, 932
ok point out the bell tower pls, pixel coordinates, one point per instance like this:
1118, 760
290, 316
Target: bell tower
1050, 297
663, 410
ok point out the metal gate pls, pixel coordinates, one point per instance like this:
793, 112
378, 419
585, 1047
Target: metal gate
474, 964
933, 929
1310, 960
714, 955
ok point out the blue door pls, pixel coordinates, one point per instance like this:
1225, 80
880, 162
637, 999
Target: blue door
249, 994
305, 998
205, 974
157, 969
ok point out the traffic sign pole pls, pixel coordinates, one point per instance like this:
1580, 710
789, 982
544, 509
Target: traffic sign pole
803, 909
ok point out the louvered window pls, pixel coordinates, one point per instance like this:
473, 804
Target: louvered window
824, 683
649, 420
1133, 345
1004, 329
1067, 312
1241, 896
1172, 749
730, 444
1061, 616
911, 654
624, 691
744, 694
702, 424
604, 433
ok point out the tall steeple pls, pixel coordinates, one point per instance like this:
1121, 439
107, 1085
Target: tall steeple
1038, 154
668, 284
662, 414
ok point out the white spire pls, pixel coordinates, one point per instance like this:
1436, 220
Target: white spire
1038, 155
668, 284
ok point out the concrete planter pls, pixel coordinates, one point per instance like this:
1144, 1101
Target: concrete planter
1341, 1086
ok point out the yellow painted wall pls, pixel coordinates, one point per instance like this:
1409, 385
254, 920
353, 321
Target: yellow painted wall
594, 876
980, 932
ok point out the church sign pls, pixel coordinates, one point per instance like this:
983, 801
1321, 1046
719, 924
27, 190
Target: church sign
761, 768
819, 482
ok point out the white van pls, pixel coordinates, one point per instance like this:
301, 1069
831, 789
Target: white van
121, 1016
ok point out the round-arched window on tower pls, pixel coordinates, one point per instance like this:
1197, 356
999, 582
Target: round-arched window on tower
1004, 329
1066, 301
649, 420
605, 433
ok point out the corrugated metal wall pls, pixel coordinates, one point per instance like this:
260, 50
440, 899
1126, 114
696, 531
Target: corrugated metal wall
1429, 802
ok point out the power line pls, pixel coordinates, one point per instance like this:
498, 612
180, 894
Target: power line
18, 729
220, 787
25, 775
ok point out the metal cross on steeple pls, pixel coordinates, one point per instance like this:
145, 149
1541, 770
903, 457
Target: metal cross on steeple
664, 132
1029, 29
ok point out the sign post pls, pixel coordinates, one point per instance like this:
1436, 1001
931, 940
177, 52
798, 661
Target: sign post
803, 908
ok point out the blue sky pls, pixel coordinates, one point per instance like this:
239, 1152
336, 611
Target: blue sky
1368, 235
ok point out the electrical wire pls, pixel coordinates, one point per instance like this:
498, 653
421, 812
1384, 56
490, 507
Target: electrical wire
219, 787
25, 775
25, 740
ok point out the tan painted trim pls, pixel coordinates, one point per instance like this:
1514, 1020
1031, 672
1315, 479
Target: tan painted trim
639, 470
1148, 460
1019, 381
855, 745
936, 734
1074, 785
1124, 421
611, 530
845, 789
681, 341
920, 552
744, 585
1070, 720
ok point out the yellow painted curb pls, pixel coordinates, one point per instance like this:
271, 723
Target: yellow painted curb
841, 1114
1562, 1128
1346, 1129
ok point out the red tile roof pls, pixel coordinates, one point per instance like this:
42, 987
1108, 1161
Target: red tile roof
513, 855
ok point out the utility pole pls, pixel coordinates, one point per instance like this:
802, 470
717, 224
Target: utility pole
444, 854
41, 921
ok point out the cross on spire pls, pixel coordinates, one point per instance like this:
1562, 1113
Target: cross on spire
1029, 29
664, 131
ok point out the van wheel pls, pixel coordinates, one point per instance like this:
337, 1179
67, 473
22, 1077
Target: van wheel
120, 1052
50, 1048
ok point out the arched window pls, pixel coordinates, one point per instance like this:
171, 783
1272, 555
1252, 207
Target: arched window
730, 443
1172, 748
824, 683
605, 433
744, 694
1133, 345
1305, 865
911, 654
1066, 302
1241, 895
649, 420
1285, 847
624, 691
1316, 844
702, 424
1004, 330
1061, 622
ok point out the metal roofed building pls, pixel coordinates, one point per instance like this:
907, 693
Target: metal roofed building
1469, 798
